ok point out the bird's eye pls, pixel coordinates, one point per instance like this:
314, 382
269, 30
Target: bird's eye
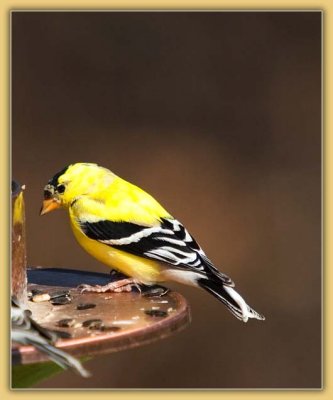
61, 188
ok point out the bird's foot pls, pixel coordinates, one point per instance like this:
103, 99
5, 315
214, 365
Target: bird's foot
123, 285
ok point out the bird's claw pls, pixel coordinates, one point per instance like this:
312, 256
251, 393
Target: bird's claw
123, 285
88, 288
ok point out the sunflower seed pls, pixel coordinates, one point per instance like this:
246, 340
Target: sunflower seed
59, 301
85, 306
156, 313
38, 298
93, 323
66, 322
59, 293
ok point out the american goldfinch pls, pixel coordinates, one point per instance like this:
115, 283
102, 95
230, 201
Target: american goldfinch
127, 229
25, 330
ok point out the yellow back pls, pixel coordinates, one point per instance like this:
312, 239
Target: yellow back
100, 194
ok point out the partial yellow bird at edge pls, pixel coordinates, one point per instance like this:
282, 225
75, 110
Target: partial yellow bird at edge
125, 228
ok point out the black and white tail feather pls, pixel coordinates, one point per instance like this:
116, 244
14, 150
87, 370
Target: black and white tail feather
170, 243
230, 298
27, 331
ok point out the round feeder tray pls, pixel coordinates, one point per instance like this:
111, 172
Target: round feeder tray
89, 324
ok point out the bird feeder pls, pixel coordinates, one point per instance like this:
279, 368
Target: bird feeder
87, 324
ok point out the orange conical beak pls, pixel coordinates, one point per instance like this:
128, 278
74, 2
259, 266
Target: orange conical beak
49, 205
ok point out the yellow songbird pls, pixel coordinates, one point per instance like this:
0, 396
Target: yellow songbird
127, 229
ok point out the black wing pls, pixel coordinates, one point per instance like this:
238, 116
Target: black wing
169, 242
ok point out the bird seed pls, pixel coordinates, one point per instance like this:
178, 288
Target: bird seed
38, 298
59, 293
85, 306
59, 301
93, 323
155, 291
156, 313
110, 328
66, 322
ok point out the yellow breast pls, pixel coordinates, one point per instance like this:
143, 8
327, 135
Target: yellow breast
144, 270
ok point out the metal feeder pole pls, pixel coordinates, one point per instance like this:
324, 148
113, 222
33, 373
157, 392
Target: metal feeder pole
19, 258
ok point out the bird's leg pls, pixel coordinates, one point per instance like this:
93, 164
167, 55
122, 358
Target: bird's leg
122, 285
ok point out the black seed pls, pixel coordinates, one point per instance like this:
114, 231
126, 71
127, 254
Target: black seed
59, 293
85, 306
59, 301
156, 313
93, 323
66, 322
62, 334
37, 291
156, 290
110, 328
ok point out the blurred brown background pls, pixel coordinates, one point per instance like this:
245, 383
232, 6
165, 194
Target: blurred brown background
218, 115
